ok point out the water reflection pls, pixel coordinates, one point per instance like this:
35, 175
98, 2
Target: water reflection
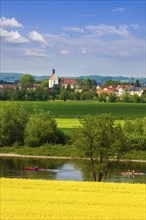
67, 170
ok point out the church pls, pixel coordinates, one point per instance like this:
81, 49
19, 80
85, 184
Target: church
55, 80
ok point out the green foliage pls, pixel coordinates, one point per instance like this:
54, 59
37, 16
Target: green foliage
44, 83
86, 96
41, 128
86, 84
63, 95
135, 132
13, 120
26, 81
103, 97
98, 137
137, 83
136, 98
112, 98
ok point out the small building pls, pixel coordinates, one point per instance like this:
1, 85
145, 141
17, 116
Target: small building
137, 90
68, 81
8, 86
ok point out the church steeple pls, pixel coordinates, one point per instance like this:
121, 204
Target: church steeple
53, 71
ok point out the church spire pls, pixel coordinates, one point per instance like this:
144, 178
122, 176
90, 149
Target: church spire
53, 71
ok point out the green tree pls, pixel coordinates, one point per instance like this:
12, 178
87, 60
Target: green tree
136, 98
98, 137
126, 98
64, 95
143, 97
41, 94
26, 81
44, 83
13, 120
103, 97
137, 83
112, 98
41, 128
135, 132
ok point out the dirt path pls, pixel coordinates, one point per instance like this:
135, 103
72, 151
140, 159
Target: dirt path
33, 156
61, 157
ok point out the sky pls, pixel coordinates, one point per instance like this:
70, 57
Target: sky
78, 37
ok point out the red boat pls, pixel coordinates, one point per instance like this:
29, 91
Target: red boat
33, 168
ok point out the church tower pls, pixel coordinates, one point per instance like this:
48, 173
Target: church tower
53, 79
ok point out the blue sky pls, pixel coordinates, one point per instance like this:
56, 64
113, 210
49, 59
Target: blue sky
74, 37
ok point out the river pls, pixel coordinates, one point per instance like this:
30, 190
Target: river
77, 170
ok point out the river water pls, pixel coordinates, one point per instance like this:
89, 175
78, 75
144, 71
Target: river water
77, 170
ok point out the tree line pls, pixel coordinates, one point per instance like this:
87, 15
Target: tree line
19, 127
87, 92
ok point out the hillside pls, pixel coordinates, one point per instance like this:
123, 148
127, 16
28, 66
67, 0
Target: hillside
12, 77
100, 79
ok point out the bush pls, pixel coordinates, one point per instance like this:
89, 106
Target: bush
13, 120
41, 128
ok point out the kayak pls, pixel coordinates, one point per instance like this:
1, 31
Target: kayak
33, 168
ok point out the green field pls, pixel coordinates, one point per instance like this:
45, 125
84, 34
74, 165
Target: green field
74, 109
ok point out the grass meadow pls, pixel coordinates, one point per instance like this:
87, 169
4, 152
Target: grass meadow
75, 109
63, 200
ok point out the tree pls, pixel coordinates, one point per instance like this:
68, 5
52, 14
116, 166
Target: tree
103, 97
41, 94
112, 98
44, 83
41, 128
136, 98
98, 137
13, 120
137, 83
86, 84
26, 81
135, 132
64, 95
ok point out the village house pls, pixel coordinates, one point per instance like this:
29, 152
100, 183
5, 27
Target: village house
137, 90
8, 86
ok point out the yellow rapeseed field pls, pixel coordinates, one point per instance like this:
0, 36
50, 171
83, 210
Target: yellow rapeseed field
23, 199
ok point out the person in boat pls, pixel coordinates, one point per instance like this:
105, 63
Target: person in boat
36, 168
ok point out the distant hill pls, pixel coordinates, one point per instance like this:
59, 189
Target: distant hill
100, 79
12, 77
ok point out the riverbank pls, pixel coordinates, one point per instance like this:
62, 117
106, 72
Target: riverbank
60, 157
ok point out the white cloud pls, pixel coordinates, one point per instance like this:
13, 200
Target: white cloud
103, 29
84, 51
65, 52
74, 29
89, 44
35, 36
36, 52
9, 22
119, 9
135, 26
12, 37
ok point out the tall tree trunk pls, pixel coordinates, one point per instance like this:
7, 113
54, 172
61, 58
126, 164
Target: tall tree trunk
100, 177
93, 171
